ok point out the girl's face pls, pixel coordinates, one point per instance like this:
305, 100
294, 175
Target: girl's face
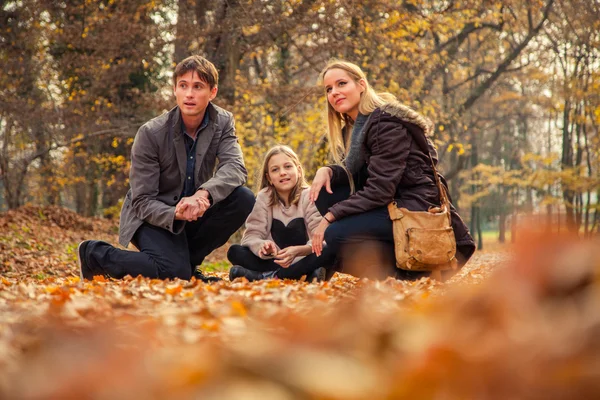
283, 174
343, 93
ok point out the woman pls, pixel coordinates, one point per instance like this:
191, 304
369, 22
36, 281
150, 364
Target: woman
377, 161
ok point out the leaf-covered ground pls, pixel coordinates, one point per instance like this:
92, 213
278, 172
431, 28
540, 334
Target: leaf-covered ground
518, 323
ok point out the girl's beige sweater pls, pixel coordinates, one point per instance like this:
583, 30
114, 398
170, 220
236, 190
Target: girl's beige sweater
260, 220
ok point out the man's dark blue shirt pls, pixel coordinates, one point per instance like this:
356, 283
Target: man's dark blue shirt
190, 148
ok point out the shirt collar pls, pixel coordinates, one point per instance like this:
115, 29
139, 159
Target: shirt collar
203, 125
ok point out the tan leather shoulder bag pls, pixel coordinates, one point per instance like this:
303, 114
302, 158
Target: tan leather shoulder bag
424, 240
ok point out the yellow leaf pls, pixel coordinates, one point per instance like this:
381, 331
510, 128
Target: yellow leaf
238, 308
51, 289
73, 279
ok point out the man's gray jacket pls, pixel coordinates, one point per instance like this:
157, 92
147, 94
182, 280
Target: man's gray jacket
158, 169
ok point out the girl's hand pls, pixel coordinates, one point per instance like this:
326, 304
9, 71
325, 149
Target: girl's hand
268, 248
318, 236
286, 256
322, 178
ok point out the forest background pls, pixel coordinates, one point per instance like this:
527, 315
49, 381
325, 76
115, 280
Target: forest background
514, 90
513, 87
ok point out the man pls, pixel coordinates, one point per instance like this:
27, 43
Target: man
186, 196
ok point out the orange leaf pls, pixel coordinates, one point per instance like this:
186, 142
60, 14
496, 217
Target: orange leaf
173, 290
99, 278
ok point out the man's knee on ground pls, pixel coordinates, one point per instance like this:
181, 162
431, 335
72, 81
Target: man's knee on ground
183, 272
171, 268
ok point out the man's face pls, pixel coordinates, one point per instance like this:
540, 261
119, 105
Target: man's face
193, 94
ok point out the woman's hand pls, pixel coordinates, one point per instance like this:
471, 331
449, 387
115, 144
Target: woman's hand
268, 248
322, 178
318, 235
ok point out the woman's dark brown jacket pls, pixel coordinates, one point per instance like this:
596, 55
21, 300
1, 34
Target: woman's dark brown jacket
387, 164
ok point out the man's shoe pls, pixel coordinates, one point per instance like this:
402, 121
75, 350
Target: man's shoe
84, 270
206, 279
318, 275
240, 272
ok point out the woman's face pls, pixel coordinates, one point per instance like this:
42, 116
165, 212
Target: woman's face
343, 93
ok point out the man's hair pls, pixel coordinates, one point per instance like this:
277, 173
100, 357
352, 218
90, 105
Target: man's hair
205, 69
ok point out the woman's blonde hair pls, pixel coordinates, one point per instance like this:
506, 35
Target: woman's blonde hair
294, 196
369, 101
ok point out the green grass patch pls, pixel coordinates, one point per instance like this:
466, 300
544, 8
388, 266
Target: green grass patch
71, 251
493, 235
218, 266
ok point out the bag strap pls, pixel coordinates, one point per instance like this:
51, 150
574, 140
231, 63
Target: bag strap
422, 142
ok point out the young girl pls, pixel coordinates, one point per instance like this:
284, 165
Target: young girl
276, 242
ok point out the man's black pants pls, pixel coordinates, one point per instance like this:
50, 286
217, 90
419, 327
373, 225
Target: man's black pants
163, 254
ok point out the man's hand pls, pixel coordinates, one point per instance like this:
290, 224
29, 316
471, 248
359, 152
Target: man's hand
190, 208
187, 209
193, 207
268, 248
322, 178
202, 197
203, 194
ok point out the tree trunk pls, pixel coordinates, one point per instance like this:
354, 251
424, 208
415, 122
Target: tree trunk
566, 163
475, 223
513, 227
80, 193
182, 30
92, 198
223, 47
479, 232
502, 227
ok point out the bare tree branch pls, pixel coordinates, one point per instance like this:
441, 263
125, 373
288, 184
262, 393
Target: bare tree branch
481, 89
124, 131
453, 44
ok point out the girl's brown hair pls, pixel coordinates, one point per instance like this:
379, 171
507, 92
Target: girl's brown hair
294, 197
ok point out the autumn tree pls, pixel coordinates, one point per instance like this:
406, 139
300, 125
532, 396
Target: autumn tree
91, 78
501, 79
